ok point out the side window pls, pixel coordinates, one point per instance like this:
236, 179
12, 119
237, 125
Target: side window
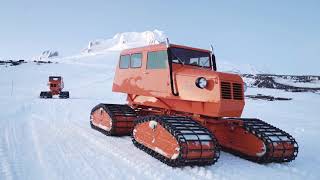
157, 60
124, 62
136, 60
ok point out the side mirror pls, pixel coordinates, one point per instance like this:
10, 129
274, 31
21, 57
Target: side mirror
213, 60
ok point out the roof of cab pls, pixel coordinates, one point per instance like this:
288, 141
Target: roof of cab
158, 47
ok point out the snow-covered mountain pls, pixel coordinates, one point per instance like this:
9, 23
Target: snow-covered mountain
48, 54
125, 40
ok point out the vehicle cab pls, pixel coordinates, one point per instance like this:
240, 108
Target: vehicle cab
179, 78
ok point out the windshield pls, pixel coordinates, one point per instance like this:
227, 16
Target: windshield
190, 57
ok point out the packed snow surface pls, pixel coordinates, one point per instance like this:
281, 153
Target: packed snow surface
52, 138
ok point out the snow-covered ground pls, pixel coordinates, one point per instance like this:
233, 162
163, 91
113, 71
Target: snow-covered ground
52, 139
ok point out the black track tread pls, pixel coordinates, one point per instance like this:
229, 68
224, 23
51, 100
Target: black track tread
265, 131
114, 110
45, 94
64, 95
174, 125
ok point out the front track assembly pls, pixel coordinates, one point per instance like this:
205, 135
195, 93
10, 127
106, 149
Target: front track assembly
277, 145
176, 141
280, 146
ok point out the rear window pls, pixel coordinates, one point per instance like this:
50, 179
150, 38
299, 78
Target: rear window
124, 62
136, 60
157, 60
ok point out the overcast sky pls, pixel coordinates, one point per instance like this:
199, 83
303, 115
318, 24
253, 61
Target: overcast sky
282, 36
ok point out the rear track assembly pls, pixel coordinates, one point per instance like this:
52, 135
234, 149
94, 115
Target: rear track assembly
113, 119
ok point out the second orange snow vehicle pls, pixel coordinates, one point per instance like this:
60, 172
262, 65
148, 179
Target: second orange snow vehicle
182, 111
56, 86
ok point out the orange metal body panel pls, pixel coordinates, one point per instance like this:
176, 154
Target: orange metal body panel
231, 135
151, 87
161, 141
142, 81
158, 139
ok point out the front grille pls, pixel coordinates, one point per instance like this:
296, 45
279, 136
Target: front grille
226, 90
237, 91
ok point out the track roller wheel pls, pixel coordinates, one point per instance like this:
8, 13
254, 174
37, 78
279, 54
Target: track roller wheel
176, 141
113, 119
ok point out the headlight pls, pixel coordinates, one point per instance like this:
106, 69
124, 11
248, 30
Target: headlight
201, 82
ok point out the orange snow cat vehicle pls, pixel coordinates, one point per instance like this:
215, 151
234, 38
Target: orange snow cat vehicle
182, 111
56, 86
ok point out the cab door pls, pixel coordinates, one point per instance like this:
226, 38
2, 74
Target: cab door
155, 75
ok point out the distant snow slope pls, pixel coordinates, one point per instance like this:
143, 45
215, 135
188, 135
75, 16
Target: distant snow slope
52, 138
125, 40
47, 54
226, 66
291, 82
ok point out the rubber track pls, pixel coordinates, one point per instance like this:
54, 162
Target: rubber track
175, 125
114, 111
45, 94
270, 135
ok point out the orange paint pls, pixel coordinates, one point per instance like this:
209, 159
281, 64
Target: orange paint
151, 87
158, 139
231, 135
55, 84
101, 118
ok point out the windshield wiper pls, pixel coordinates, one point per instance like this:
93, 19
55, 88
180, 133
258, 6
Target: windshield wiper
182, 62
172, 54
